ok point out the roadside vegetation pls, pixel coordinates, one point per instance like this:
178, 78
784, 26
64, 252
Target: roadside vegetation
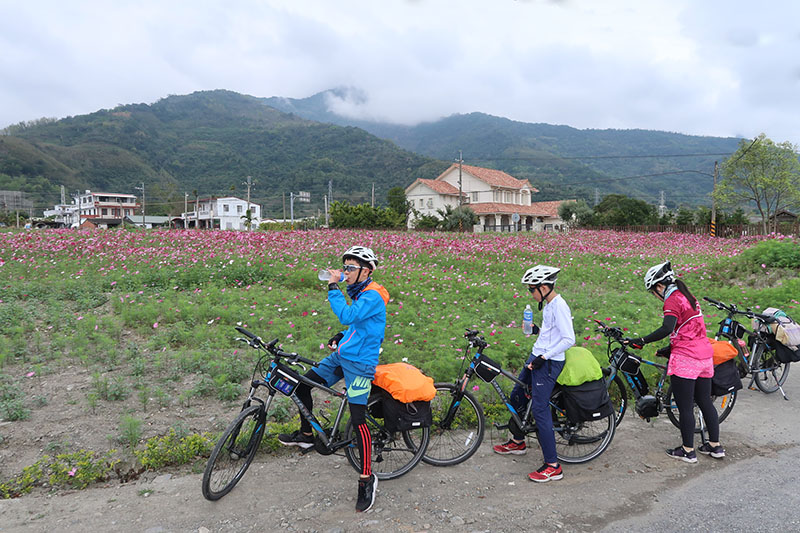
149, 316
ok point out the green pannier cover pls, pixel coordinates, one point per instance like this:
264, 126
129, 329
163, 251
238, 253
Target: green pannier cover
580, 367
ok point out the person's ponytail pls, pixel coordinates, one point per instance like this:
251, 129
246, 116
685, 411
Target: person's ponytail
685, 291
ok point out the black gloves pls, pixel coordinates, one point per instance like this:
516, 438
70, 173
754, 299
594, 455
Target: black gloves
334, 341
535, 330
636, 344
538, 362
665, 351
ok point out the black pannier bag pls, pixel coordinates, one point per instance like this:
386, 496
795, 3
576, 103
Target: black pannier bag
399, 416
486, 368
726, 378
588, 401
784, 353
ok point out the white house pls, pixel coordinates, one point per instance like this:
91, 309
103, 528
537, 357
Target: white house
221, 213
105, 205
502, 202
66, 215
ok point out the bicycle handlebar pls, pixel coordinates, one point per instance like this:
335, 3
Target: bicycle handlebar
257, 342
733, 310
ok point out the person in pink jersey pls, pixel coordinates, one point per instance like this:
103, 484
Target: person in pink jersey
691, 364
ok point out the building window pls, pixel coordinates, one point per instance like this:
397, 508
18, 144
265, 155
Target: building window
508, 197
421, 202
474, 197
238, 208
224, 208
104, 211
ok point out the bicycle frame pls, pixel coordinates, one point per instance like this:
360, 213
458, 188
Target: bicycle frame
659, 394
461, 384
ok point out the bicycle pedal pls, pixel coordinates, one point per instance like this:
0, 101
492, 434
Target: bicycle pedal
304, 451
500, 427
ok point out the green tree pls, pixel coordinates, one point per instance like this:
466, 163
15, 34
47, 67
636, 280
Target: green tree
459, 219
576, 213
684, 216
396, 198
248, 219
620, 210
761, 173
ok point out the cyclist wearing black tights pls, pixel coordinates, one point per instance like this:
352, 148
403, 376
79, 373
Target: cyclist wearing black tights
354, 358
690, 360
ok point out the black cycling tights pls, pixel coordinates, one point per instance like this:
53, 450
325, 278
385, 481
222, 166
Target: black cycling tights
358, 414
686, 393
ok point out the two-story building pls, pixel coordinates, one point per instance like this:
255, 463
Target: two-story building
502, 202
228, 212
105, 205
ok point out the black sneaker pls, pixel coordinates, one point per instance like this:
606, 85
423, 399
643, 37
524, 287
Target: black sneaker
683, 455
298, 438
717, 452
366, 493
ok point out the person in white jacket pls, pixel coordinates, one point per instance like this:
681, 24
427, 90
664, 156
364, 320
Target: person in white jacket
541, 370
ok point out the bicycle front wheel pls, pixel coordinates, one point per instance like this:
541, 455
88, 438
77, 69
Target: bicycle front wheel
723, 404
393, 453
770, 374
234, 452
454, 438
582, 441
619, 397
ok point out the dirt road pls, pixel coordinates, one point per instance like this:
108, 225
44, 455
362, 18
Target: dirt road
311, 493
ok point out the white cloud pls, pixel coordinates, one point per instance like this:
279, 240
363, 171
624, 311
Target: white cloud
707, 68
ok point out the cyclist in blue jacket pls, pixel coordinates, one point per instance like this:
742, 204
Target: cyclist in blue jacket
354, 357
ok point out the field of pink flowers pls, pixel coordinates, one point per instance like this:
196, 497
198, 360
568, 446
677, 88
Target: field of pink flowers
184, 290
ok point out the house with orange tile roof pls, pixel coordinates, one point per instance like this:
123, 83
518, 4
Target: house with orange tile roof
502, 202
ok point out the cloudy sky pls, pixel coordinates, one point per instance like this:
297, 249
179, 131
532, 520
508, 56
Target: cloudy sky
724, 68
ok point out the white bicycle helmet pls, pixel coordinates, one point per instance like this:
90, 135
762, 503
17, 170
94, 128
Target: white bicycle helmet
661, 273
540, 275
362, 253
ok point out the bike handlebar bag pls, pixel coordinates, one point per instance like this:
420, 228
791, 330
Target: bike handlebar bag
486, 368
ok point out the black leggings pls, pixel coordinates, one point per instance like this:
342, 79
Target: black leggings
688, 392
358, 414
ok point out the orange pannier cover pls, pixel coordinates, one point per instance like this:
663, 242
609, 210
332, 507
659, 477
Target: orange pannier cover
406, 383
723, 351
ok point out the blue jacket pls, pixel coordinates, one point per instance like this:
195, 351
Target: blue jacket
366, 321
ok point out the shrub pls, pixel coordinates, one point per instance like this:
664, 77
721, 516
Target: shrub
774, 253
172, 449
11, 401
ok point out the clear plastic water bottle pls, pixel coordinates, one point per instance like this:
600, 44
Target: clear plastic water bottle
324, 275
527, 320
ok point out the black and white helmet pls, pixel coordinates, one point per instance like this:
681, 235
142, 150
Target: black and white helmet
541, 275
661, 273
362, 253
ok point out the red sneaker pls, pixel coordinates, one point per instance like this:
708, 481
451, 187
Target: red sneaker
510, 447
546, 473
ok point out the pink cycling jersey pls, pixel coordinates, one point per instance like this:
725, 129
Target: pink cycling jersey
691, 356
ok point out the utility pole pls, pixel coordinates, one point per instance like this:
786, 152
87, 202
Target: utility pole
249, 184
714, 204
373, 195
283, 195
330, 191
143, 203
460, 161
185, 209
596, 196
325, 200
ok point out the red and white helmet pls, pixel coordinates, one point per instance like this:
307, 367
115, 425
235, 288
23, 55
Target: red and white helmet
362, 253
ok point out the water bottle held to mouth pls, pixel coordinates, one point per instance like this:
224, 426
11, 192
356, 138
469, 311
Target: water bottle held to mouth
325, 275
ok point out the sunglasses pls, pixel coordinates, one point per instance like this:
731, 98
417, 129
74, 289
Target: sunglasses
532, 288
351, 268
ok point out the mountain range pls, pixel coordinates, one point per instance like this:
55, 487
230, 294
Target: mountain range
207, 143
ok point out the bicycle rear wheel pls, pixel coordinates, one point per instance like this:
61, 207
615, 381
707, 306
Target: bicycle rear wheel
618, 395
770, 374
582, 441
454, 441
393, 453
723, 404
234, 452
